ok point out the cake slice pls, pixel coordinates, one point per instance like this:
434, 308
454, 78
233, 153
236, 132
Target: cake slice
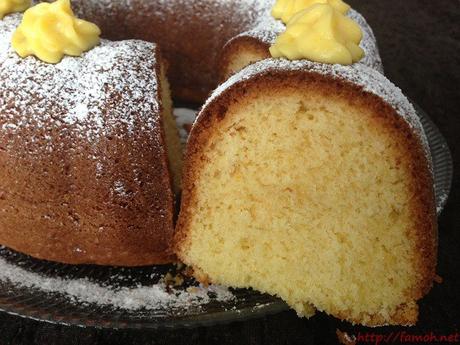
89, 154
312, 182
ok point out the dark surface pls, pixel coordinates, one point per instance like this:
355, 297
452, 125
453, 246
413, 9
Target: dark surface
420, 46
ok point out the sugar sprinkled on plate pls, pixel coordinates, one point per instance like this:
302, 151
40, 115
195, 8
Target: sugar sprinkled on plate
82, 290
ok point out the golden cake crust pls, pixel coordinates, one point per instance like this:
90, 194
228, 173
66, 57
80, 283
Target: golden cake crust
83, 161
277, 82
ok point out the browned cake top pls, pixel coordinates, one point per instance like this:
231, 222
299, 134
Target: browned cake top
89, 96
85, 137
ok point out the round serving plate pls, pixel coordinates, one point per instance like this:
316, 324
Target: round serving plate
154, 296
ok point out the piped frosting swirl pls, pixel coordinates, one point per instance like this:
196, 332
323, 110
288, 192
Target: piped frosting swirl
321, 34
11, 6
286, 9
50, 30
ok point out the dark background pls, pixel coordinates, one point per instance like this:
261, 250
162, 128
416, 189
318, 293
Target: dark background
419, 42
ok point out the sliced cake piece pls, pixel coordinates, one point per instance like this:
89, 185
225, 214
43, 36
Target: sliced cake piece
89, 152
312, 182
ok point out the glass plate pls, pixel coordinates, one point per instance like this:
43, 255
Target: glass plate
113, 297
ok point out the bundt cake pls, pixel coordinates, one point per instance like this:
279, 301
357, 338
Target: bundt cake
85, 148
312, 182
303, 180
203, 41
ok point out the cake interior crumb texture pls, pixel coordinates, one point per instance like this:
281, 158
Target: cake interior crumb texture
312, 193
172, 139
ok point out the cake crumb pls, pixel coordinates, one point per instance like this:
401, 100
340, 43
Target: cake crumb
344, 338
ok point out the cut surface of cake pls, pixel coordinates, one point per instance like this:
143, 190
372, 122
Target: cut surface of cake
312, 182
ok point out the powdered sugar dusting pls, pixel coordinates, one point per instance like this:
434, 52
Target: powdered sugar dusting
120, 189
371, 80
265, 28
368, 43
184, 119
157, 296
441, 201
76, 93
